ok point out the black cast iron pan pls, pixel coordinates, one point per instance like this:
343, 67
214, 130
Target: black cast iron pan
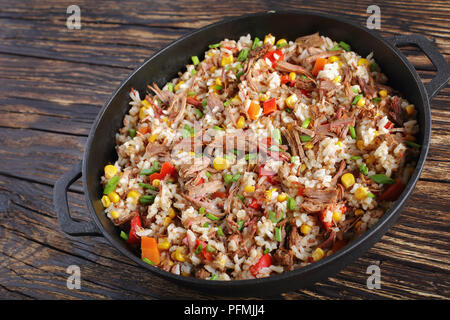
165, 64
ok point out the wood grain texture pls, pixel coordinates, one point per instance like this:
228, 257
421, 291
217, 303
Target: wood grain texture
53, 82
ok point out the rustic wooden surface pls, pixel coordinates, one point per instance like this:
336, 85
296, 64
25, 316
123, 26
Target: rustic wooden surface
53, 82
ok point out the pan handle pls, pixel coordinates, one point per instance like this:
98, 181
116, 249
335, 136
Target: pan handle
427, 47
67, 224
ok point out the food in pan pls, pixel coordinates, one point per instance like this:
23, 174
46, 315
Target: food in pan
264, 156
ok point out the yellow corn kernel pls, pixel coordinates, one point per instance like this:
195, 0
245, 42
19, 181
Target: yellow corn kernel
339, 143
309, 145
333, 59
249, 188
337, 216
360, 144
153, 138
167, 221
134, 196
318, 254
110, 171
114, 197
305, 229
363, 62
226, 59
382, 93
291, 100
236, 99
340, 64
281, 42
105, 201
269, 39
218, 81
156, 183
145, 103
292, 76
359, 212
337, 79
211, 53
240, 123
269, 194
263, 97
179, 256
166, 120
142, 113
302, 167
282, 197
370, 159
361, 102
192, 153
177, 86
212, 69
361, 193
220, 163
410, 109
172, 213
164, 245
115, 214
348, 180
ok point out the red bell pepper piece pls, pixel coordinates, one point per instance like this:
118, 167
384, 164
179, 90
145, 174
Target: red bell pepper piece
204, 253
254, 204
301, 192
166, 169
194, 102
389, 125
269, 106
326, 225
274, 56
285, 79
133, 238
200, 181
264, 262
393, 191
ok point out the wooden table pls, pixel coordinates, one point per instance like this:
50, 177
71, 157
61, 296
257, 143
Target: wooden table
53, 81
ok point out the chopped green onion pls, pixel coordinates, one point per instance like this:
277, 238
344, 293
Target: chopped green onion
241, 197
306, 123
335, 48
147, 172
220, 231
206, 225
216, 45
373, 67
281, 45
227, 178
204, 102
193, 71
274, 217
382, 179
364, 170
242, 55
266, 250
256, 43
355, 90
195, 60
208, 174
356, 98
209, 248
412, 144
191, 93
199, 249
212, 217
291, 203
277, 135
170, 87
344, 46
123, 235
304, 77
147, 199
352, 132
218, 87
240, 224
132, 133
251, 156
376, 100
236, 177
292, 159
214, 277
238, 67
146, 260
278, 234
198, 113
217, 128
148, 186
305, 138
355, 157
239, 74
227, 103
274, 148
201, 210
370, 195
111, 185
